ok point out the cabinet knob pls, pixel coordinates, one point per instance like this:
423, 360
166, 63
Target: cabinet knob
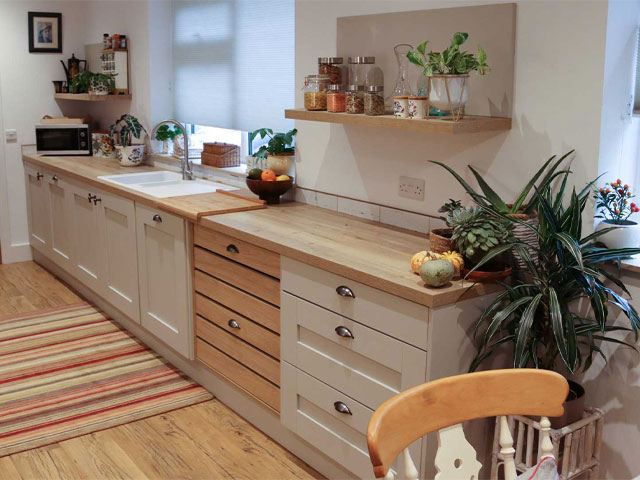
234, 324
342, 408
345, 292
39, 176
344, 332
231, 248
157, 218
54, 178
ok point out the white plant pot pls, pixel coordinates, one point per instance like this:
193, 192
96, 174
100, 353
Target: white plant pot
130, 156
439, 98
98, 88
280, 164
625, 236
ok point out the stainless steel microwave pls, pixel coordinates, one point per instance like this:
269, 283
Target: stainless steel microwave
63, 139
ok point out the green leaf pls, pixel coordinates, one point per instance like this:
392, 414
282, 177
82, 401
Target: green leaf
416, 59
492, 254
459, 38
489, 193
524, 331
502, 315
570, 244
422, 47
476, 196
557, 325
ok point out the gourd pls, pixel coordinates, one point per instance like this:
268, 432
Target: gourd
436, 273
419, 258
456, 260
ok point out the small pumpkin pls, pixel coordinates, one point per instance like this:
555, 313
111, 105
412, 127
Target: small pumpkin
419, 258
456, 260
436, 273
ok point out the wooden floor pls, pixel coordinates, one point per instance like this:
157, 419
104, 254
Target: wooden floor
205, 441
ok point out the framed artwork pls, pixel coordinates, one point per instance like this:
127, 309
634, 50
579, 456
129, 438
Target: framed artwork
45, 32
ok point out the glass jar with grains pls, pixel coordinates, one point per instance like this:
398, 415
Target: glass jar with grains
331, 67
336, 99
355, 99
315, 92
374, 100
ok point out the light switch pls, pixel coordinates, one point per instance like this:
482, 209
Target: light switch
11, 135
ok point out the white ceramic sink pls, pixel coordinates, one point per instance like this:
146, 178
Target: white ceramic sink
164, 183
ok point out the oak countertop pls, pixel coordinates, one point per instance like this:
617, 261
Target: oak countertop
191, 207
361, 250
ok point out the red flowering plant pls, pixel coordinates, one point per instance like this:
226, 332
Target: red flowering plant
614, 203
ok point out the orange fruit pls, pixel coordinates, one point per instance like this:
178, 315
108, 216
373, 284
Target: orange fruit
268, 176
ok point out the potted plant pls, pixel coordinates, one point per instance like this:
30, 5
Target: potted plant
81, 82
615, 206
127, 154
440, 238
560, 315
101, 84
278, 151
166, 133
448, 73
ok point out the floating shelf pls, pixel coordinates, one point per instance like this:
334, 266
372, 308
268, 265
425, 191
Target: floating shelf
85, 97
469, 124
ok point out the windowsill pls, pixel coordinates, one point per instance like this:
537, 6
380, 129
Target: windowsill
240, 171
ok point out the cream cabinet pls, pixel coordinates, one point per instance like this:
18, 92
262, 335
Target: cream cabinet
164, 278
38, 210
59, 195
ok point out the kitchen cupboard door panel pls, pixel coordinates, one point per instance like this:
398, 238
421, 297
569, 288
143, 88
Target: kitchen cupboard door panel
59, 195
39, 212
162, 271
118, 223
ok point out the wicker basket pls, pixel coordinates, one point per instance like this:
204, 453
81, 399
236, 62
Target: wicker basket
221, 155
438, 242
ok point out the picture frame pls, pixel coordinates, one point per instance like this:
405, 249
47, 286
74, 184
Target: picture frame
45, 32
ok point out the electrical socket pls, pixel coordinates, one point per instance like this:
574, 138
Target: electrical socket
412, 188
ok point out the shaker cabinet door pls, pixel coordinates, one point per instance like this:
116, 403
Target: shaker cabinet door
38, 210
59, 197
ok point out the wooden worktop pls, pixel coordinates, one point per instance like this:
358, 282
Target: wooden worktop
361, 250
191, 207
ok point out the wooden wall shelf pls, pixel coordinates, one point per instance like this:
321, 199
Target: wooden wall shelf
85, 97
469, 124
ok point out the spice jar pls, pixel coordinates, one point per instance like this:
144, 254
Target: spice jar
354, 102
315, 92
331, 67
374, 100
418, 107
401, 106
336, 99
358, 68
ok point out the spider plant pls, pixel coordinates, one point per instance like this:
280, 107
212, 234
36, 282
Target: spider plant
560, 314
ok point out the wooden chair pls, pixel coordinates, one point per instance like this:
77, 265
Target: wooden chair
442, 405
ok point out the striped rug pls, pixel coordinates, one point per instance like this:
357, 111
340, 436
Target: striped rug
70, 371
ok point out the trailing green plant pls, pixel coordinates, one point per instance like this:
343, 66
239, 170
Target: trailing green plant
476, 232
451, 61
614, 203
165, 132
81, 82
279, 143
130, 127
560, 314
490, 199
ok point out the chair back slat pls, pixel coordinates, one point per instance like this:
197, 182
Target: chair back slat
507, 450
456, 458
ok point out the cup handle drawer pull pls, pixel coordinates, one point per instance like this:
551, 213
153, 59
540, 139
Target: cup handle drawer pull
39, 176
157, 218
345, 291
233, 324
342, 408
231, 248
344, 332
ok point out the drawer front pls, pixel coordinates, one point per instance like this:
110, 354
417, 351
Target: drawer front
251, 281
241, 351
365, 364
258, 387
255, 257
238, 325
247, 305
308, 409
399, 318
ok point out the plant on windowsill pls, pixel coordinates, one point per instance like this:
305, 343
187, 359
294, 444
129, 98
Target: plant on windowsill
166, 133
615, 206
128, 155
279, 150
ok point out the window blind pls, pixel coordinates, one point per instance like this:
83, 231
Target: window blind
233, 63
636, 91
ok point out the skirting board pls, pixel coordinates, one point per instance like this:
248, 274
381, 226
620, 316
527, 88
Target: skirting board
252, 411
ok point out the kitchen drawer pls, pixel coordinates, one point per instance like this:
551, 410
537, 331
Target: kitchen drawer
251, 281
241, 351
370, 367
247, 330
397, 317
251, 307
309, 409
255, 385
255, 257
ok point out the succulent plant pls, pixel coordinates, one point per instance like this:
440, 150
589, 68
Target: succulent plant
476, 232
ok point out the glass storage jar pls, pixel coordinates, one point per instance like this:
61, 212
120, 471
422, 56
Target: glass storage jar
374, 100
354, 102
358, 68
315, 92
331, 67
336, 99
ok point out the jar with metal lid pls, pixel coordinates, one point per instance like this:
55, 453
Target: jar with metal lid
331, 67
336, 99
358, 68
354, 102
374, 100
315, 92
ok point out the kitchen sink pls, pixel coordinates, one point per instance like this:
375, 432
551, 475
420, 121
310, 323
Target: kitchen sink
164, 183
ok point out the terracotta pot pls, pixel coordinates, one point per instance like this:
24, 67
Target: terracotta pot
485, 277
573, 407
280, 164
440, 240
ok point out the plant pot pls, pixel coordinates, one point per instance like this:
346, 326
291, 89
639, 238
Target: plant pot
440, 240
97, 87
449, 93
524, 234
573, 407
130, 156
627, 235
269, 191
280, 164
480, 276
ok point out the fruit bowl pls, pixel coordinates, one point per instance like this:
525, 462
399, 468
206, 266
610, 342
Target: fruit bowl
270, 191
